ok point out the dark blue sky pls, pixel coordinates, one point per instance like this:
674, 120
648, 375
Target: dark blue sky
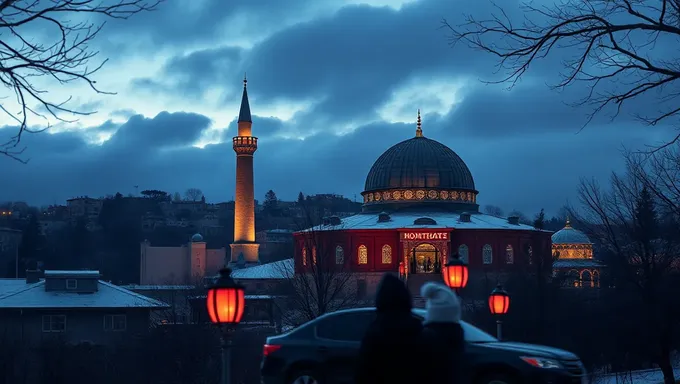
331, 87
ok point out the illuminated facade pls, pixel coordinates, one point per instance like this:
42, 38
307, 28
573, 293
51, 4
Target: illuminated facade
573, 258
244, 249
420, 206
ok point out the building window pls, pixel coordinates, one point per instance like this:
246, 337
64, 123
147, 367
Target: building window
386, 254
339, 255
304, 255
531, 255
487, 254
363, 254
509, 255
116, 323
54, 323
464, 253
314, 254
72, 283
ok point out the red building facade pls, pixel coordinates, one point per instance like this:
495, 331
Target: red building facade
420, 207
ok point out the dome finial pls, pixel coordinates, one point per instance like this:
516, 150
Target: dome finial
419, 129
245, 80
568, 223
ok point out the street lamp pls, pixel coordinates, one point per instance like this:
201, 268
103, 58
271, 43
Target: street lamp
402, 270
455, 273
225, 301
499, 303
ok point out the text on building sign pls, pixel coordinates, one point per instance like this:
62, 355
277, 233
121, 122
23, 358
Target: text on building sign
425, 236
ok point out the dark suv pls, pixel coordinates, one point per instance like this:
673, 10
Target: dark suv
324, 351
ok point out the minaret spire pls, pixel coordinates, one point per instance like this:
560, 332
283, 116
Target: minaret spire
244, 114
568, 223
419, 125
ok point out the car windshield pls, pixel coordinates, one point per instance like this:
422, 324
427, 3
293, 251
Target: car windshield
472, 333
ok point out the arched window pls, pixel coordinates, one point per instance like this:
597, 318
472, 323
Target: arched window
304, 255
596, 279
314, 254
386, 254
339, 255
363, 254
509, 255
464, 253
487, 254
587, 279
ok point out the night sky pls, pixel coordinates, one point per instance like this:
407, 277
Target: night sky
332, 85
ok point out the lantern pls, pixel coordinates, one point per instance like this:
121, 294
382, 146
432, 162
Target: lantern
455, 273
225, 300
499, 301
402, 269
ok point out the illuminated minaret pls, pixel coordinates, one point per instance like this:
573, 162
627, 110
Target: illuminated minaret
244, 248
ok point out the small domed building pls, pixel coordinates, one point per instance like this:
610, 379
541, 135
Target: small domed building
420, 207
573, 258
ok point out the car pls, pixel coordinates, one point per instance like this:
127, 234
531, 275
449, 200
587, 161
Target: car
325, 350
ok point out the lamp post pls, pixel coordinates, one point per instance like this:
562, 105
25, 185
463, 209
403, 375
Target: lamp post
455, 273
225, 301
499, 303
402, 270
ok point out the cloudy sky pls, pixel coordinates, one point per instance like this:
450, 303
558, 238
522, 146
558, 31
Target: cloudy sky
332, 84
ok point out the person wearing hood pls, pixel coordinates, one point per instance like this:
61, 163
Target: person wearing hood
391, 349
443, 336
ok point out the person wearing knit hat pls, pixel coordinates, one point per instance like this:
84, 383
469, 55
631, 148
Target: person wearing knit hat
443, 335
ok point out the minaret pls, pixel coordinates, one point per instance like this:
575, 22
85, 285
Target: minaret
244, 249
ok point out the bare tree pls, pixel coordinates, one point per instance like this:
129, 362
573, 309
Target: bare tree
631, 224
493, 210
193, 194
610, 45
62, 55
324, 281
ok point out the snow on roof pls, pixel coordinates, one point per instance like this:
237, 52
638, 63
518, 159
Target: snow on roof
577, 263
277, 270
108, 296
405, 220
11, 285
61, 273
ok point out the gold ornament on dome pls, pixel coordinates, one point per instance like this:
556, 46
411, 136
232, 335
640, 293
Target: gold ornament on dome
469, 196
397, 195
376, 197
370, 197
444, 195
386, 196
432, 194
454, 195
408, 195
420, 194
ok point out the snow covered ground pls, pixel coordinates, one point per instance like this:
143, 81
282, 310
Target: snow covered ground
651, 376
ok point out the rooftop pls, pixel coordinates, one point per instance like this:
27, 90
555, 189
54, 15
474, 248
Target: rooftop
16, 293
277, 270
578, 263
405, 220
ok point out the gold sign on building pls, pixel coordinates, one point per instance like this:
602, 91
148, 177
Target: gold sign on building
424, 235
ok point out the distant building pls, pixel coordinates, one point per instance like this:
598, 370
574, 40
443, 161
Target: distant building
10, 239
185, 265
72, 306
574, 263
84, 208
275, 244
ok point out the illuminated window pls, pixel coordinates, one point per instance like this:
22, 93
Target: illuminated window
339, 255
304, 255
314, 254
463, 253
487, 254
509, 255
386, 254
363, 254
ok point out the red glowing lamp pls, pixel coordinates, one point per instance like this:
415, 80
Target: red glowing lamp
225, 300
499, 301
455, 273
402, 269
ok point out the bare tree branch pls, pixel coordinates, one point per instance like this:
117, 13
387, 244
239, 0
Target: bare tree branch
28, 64
614, 41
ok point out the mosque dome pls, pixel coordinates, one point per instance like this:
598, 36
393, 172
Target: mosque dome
569, 235
196, 238
420, 171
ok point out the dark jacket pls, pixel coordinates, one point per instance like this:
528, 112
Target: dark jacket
392, 346
445, 354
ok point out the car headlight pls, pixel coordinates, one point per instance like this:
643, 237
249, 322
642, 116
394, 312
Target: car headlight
542, 362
